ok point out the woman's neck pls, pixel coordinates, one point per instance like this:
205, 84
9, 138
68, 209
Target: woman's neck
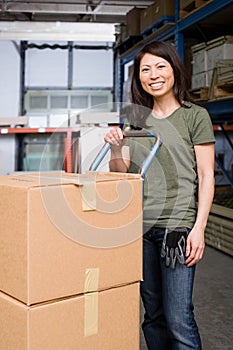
162, 109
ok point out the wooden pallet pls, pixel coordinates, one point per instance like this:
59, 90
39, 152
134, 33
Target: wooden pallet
201, 93
187, 6
222, 82
223, 89
218, 231
224, 70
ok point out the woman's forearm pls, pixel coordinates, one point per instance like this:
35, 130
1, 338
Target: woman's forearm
205, 199
205, 169
120, 158
117, 162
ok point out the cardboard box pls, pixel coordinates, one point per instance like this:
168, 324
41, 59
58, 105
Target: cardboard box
102, 320
205, 57
133, 18
159, 9
65, 234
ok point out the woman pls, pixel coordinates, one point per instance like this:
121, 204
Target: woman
183, 170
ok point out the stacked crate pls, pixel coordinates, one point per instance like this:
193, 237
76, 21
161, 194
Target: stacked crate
71, 261
155, 16
206, 58
188, 6
218, 233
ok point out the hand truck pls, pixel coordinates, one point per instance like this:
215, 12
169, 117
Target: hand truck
131, 133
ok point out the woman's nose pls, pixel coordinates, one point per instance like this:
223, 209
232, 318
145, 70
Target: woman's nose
153, 73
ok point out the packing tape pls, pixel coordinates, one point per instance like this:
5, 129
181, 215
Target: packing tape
91, 302
88, 191
91, 280
91, 314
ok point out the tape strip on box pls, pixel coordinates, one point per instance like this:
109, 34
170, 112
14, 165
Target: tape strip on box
91, 280
91, 302
91, 314
88, 191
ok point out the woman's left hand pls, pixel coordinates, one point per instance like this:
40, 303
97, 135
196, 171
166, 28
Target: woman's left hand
205, 169
194, 247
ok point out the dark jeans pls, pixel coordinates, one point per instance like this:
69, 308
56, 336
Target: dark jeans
166, 293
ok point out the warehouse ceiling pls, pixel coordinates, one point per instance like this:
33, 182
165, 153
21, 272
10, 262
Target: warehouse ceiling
98, 11
85, 20
75, 20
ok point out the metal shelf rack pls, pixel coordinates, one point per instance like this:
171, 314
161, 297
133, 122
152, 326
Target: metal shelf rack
179, 31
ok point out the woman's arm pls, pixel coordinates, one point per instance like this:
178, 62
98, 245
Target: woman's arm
120, 160
205, 170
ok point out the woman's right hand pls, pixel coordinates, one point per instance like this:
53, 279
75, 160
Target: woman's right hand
115, 137
120, 158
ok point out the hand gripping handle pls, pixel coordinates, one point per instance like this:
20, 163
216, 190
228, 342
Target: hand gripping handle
147, 162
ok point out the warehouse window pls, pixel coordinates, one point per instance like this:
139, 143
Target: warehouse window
79, 101
59, 102
38, 102
99, 101
56, 108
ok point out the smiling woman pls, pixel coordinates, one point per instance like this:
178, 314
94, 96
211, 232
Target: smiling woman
174, 224
157, 79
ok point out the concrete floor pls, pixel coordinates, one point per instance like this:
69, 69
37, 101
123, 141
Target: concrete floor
213, 300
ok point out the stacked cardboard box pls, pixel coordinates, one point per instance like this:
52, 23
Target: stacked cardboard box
133, 22
159, 10
187, 6
205, 57
71, 261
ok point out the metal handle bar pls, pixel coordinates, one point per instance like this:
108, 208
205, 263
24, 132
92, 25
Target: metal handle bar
147, 162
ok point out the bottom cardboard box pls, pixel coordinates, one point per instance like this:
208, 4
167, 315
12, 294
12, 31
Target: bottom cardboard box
105, 320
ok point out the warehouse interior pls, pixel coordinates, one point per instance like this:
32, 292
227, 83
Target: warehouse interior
66, 69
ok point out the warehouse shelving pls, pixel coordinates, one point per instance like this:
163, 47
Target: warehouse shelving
197, 24
20, 133
178, 31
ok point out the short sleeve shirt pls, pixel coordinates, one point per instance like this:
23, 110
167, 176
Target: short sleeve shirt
170, 186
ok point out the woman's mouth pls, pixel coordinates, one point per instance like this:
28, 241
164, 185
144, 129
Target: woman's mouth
156, 85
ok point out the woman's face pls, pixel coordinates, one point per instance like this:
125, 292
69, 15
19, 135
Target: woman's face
156, 75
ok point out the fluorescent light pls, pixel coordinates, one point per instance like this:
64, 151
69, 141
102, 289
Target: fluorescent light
57, 31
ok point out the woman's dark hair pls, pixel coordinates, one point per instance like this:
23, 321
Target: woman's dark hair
166, 50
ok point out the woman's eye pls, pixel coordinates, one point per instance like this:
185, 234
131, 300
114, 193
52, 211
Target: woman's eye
161, 66
145, 69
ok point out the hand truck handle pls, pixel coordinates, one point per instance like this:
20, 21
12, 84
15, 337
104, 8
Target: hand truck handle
147, 162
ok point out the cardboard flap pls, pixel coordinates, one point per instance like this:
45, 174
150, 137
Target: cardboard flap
32, 180
112, 176
39, 179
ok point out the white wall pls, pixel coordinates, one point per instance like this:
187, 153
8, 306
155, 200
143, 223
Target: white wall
46, 68
10, 79
49, 68
93, 68
9, 100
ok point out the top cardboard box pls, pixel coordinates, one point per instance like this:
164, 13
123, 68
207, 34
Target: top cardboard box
158, 10
67, 234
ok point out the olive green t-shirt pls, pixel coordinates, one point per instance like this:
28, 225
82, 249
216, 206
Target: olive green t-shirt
170, 185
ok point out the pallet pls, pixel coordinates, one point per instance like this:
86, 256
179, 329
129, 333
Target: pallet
224, 70
223, 89
188, 6
200, 94
218, 231
160, 23
222, 80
